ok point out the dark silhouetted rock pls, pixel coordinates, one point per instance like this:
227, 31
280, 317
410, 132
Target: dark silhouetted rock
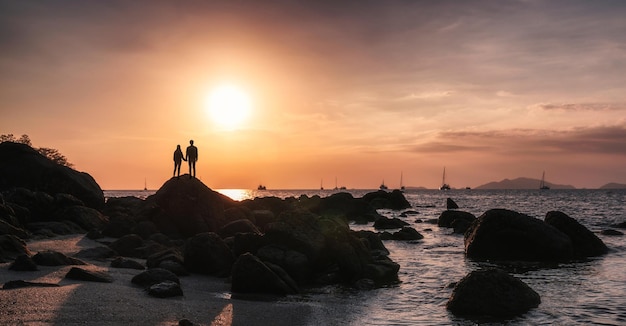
191, 206
207, 253
407, 233
492, 293
374, 242
185, 322
55, 258
174, 267
81, 274
295, 263
460, 226
154, 276
11, 247
450, 204
23, 284
170, 254
238, 226
57, 228
145, 229
263, 217
247, 242
96, 253
381, 272
127, 245
611, 232
384, 223
621, 225
121, 262
22, 166
344, 205
85, 217
165, 289
585, 243
390, 200
23, 263
447, 217
6, 228
251, 275
501, 234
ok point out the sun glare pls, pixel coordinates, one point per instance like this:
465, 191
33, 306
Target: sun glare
228, 106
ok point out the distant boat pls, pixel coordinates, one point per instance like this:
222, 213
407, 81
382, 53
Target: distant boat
145, 185
383, 186
336, 184
322, 184
543, 185
261, 187
401, 185
444, 185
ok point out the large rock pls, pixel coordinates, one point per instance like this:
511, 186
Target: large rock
501, 234
11, 247
251, 275
492, 292
447, 217
55, 258
86, 217
154, 276
383, 199
191, 206
22, 166
343, 204
586, 244
81, 274
207, 253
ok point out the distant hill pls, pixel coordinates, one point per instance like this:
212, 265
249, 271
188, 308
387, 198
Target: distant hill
521, 183
614, 185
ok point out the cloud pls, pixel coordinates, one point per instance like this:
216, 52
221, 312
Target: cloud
579, 106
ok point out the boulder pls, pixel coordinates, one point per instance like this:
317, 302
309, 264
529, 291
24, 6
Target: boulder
96, 253
154, 276
165, 289
251, 275
23, 263
295, 263
391, 200
22, 166
450, 204
207, 253
12, 247
85, 217
127, 245
191, 206
263, 217
299, 231
81, 274
121, 262
585, 243
343, 204
238, 226
407, 233
460, 226
501, 234
6, 228
373, 242
449, 216
385, 223
170, 254
492, 292
55, 228
55, 258
621, 225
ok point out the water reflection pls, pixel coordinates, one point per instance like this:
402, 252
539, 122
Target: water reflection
237, 194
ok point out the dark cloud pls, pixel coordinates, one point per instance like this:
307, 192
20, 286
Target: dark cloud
582, 106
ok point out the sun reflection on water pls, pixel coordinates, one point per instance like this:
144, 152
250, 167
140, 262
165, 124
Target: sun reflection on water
237, 194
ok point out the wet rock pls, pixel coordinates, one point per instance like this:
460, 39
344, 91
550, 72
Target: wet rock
22, 284
165, 289
251, 275
174, 267
621, 225
80, 274
85, 217
22, 166
191, 206
121, 262
585, 243
450, 204
501, 234
96, 253
611, 232
207, 253
382, 272
448, 217
492, 292
23, 263
407, 233
389, 223
374, 242
390, 200
295, 263
11, 247
154, 276
55, 258
459, 226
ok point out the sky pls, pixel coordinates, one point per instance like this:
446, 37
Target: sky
355, 91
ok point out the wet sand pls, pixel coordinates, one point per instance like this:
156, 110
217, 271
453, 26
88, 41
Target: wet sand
206, 301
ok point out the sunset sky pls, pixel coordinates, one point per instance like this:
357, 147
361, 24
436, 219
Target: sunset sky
358, 90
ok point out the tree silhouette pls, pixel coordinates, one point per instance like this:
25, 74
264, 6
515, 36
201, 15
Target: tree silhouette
52, 154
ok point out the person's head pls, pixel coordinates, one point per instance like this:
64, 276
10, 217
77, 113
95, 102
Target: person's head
177, 146
191, 142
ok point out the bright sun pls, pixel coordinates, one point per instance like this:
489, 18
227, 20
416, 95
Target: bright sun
228, 106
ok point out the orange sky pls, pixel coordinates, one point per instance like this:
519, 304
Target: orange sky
358, 90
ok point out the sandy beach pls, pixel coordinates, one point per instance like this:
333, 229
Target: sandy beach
206, 301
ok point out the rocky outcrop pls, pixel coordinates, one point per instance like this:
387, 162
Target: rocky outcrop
385, 223
450, 204
251, 275
22, 166
492, 292
165, 289
12, 247
81, 274
585, 243
207, 253
55, 258
501, 234
391, 200
190, 206
154, 276
447, 218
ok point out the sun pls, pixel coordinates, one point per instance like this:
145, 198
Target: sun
228, 106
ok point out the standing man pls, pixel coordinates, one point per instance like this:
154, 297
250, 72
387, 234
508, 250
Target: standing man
192, 156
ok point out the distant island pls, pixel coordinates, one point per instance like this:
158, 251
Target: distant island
521, 183
614, 185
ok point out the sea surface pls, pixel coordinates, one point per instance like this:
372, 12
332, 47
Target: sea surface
590, 292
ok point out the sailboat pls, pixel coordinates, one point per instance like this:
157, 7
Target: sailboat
444, 185
383, 186
401, 185
543, 185
145, 184
322, 184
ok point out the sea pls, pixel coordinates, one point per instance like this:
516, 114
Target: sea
588, 292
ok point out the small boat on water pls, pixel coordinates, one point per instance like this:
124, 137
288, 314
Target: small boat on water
401, 184
543, 185
145, 184
261, 187
444, 185
383, 186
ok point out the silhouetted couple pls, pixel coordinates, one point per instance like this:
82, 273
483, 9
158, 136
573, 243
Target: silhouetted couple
191, 156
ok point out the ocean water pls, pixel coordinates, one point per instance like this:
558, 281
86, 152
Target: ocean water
577, 293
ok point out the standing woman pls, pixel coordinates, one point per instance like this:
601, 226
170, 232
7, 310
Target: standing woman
178, 157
